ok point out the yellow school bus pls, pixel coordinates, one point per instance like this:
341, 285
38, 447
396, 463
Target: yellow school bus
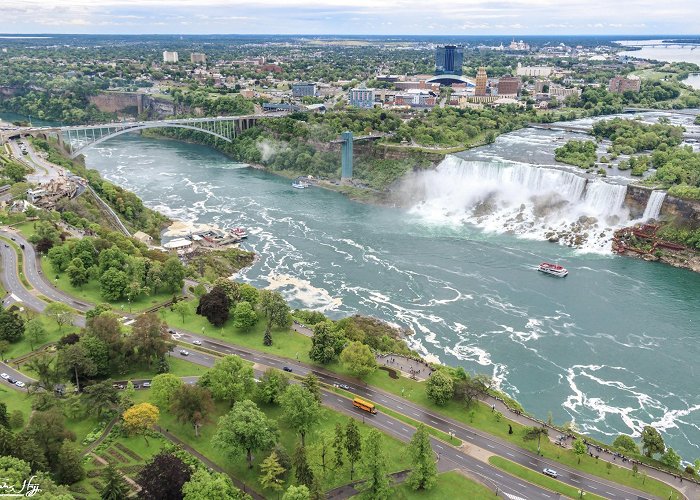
364, 405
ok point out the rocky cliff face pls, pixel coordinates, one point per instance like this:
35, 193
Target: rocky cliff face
636, 200
133, 103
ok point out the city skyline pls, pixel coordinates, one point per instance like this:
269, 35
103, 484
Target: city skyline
350, 17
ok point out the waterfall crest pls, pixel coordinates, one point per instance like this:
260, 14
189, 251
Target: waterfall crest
531, 201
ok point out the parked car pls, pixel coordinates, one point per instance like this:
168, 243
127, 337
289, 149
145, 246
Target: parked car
184, 353
287, 369
19, 383
550, 472
197, 342
4, 375
146, 384
118, 386
11, 380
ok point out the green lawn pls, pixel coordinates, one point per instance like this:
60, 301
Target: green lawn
178, 367
53, 333
15, 400
448, 484
285, 342
90, 292
395, 450
26, 229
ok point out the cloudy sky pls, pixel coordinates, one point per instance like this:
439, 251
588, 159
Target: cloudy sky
467, 17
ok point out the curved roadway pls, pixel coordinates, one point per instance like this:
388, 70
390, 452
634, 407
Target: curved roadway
470, 436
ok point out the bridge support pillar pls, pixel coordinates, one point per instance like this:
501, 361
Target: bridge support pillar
346, 157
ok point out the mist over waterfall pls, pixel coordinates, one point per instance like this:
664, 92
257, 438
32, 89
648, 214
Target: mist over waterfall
531, 201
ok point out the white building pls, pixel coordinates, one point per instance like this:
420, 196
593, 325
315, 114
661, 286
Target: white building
169, 57
541, 71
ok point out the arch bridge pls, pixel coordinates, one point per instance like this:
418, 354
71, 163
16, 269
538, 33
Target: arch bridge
78, 138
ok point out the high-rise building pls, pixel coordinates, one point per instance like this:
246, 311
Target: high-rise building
198, 58
303, 89
361, 97
508, 86
481, 81
169, 57
448, 60
620, 84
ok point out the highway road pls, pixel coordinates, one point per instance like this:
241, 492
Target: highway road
472, 437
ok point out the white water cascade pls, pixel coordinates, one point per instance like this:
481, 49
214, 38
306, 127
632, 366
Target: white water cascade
653, 208
536, 202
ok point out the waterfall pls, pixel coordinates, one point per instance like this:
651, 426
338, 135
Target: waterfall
527, 200
653, 208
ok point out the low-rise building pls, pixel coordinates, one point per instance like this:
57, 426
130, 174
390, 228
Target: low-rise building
143, 237
621, 84
198, 58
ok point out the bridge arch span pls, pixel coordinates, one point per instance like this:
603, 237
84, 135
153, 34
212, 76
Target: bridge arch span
76, 152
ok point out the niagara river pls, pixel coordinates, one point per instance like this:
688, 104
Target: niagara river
613, 347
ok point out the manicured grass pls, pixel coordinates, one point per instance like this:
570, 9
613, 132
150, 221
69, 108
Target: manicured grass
52, 335
397, 458
286, 343
26, 229
178, 367
539, 478
15, 400
90, 292
449, 485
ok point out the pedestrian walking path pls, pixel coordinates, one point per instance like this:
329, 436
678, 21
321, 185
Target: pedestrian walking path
409, 367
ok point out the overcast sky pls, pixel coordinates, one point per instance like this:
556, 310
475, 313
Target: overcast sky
429, 17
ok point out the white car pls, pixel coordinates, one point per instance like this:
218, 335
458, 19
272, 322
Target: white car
550, 472
197, 342
4, 375
184, 353
19, 383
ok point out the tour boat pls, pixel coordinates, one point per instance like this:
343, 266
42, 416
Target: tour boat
240, 232
553, 269
300, 184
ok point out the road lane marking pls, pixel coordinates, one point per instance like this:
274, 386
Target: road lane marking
533, 463
575, 480
479, 466
509, 454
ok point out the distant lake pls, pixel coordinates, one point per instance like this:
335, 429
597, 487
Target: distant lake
669, 52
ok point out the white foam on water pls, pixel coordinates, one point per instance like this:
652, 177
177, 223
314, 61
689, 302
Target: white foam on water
302, 290
526, 200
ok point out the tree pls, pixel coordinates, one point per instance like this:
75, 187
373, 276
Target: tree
172, 276
302, 470
626, 443
267, 339
192, 404
149, 338
296, 493
182, 308
163, 466
272, 385
4, 346
353, 444
275, 309
230, 287
300, 409
229, 379
140, 418
214, 306
46, 373
35, 332
60, 257
113, 284
14, 472
244, 428
244, 316
535, 432
310, 383
204, 485
338, 446
440, 387
326, 344
126, 396
373, 465
249, 293
69, 468
358, 359
61, 313
579, 448
671, 458
115, 487
652, 442
74, 358
271, 473
16, 419
11, 326
77, 274
423, 476
100, 397
4, 418
48, 430
163, 388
